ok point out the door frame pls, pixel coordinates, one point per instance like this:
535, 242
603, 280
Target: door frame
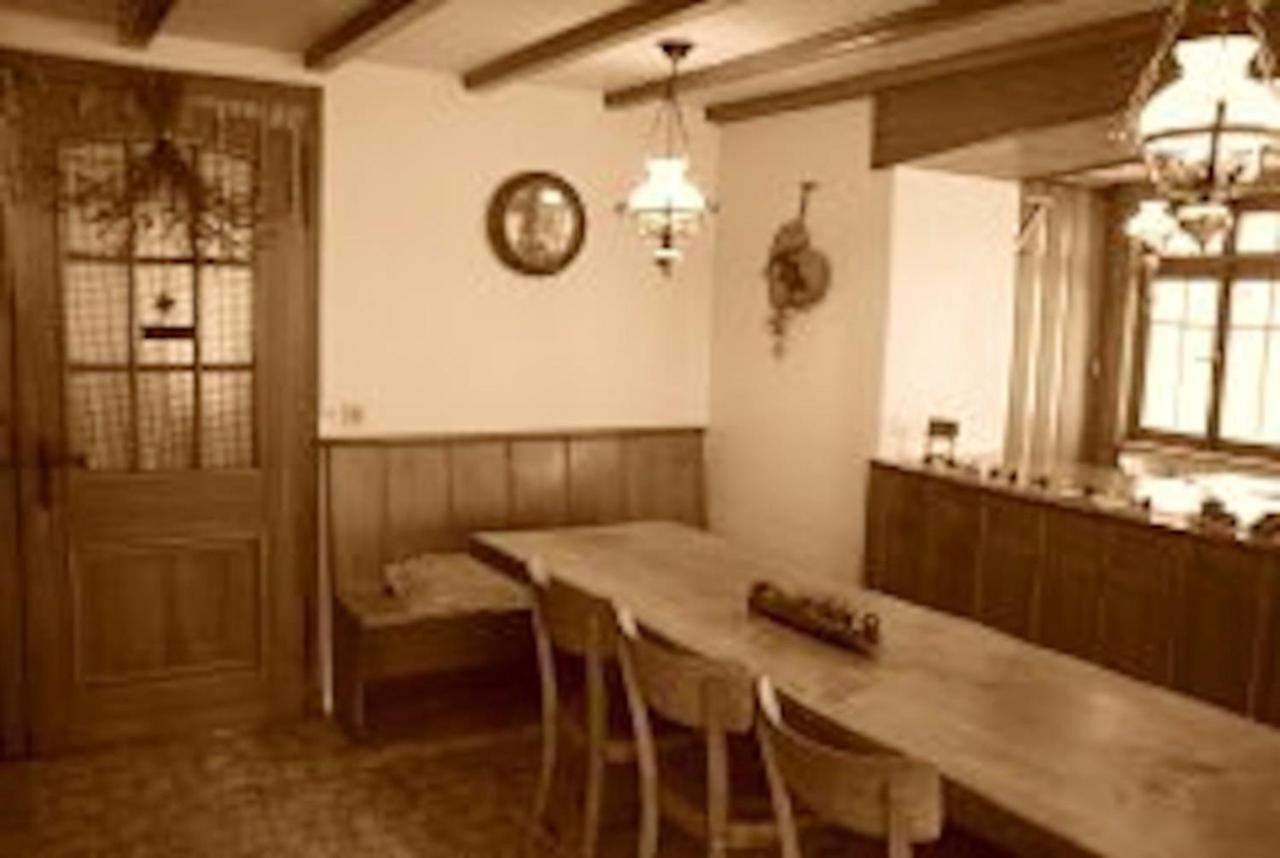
292, 488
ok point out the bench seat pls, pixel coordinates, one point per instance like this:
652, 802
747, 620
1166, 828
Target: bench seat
439, 615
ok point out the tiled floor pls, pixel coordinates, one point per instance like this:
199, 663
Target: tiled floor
298, 792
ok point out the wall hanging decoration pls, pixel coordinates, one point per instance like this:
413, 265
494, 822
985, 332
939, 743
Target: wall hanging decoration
1205, 134
172, 137
798, 274
537, 224
667, 206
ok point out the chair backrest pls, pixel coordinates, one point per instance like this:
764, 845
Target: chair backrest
879, 794
575, 622
683, 687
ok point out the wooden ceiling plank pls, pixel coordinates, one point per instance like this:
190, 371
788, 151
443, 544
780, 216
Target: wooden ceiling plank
141, 20
599, 33
366, 28
1123, 30
840, 42
945, 113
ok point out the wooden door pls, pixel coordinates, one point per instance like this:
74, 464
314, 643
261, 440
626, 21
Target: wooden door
167, 391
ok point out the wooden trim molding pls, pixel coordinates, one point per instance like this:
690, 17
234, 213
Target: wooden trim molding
141, 20
837, 43
628, 22
1132, 32
366, 28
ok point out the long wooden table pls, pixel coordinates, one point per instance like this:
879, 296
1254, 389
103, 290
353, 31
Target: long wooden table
1105, 764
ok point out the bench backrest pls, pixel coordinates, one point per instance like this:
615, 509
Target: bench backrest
387, 499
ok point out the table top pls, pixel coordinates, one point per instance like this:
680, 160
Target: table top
1112, 766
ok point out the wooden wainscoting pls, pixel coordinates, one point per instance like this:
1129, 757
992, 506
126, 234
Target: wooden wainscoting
393, 498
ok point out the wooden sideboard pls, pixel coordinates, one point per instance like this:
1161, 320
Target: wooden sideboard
1192, 611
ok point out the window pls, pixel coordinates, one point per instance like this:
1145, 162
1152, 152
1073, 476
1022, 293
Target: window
1209, 368
158, 330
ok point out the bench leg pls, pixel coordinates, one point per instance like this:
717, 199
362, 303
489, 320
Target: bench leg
348, 683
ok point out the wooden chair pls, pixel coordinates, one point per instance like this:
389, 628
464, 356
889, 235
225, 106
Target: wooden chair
874, 794
696, 693
571, 622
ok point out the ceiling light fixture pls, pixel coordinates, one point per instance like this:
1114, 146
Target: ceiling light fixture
1205, 134
667, 206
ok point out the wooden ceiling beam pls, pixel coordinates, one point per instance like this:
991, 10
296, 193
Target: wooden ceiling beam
1141, 29
367, 27
838, 43
602, 32
141, 20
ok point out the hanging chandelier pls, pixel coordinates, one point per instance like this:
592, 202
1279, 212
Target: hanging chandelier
667, 207
1205, 134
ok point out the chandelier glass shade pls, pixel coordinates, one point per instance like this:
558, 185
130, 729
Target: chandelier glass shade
1205, 135
667, 207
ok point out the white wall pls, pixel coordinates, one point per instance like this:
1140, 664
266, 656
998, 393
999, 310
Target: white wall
429, 332
790, 438
918, 322
422, 329
950, 327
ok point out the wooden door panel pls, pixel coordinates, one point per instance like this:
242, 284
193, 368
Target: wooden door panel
1066, 612
150, 611
1139, 602
1009, 564
1221, 626
169, 386
949, 574
903, 546
882, 483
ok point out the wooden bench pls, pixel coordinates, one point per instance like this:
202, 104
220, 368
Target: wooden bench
405, 508
452, 614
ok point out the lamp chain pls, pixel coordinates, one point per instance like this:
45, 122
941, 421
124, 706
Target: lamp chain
1154, 70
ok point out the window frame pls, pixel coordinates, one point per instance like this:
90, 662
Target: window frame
1225, 269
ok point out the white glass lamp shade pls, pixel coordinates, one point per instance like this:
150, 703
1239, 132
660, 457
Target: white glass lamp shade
667, 207
1211, 126
1154, 225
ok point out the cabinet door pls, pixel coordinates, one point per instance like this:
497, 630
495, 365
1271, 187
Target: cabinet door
1009, 563
950, 575
1066, 606
904, 524
881, 485
1267, 702
1220, 633
1139, 605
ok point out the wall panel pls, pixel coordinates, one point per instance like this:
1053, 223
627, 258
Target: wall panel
392, 498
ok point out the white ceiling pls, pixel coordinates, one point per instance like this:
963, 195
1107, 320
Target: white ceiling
464, 33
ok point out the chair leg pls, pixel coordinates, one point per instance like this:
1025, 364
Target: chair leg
717, 793
597, 726
646, 754
550, 725
783, 813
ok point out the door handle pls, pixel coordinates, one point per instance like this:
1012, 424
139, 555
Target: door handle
49, 460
